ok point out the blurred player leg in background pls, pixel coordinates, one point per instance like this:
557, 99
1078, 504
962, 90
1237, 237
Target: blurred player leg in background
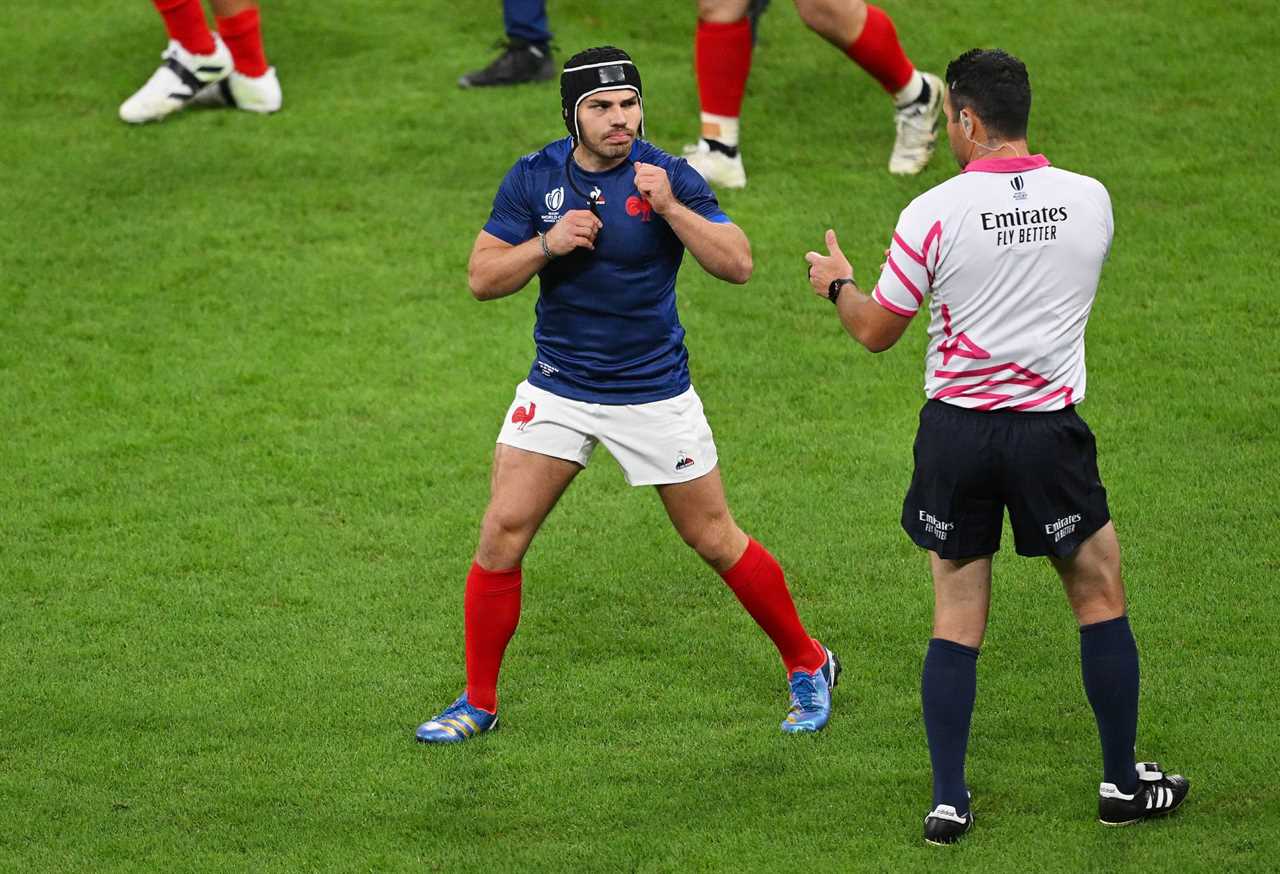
722, 47
526, 54
866, 34
722, 58
199, 64
252, 85
193, 59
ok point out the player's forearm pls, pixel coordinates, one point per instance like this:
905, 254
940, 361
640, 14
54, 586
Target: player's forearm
856, 310
722, 249
495, 273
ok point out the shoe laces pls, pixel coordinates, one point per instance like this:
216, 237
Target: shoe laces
455, 708
913, 119
804, 691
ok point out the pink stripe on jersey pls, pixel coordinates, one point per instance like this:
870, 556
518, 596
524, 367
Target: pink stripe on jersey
935, 233
1022, 377
880, 299
912, 253
1065, 391
987, 371
1007, 165
907, 283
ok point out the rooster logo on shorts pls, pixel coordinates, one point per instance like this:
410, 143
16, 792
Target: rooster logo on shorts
521, 417
683, 460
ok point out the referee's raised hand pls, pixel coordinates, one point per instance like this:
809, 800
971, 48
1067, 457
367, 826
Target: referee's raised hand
576, 229
823, 269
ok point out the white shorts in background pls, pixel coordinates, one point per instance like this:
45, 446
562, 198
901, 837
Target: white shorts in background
656, 444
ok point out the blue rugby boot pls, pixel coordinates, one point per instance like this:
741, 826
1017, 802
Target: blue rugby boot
811, 696
459, 721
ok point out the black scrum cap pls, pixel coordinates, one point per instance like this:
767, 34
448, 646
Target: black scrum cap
600, 69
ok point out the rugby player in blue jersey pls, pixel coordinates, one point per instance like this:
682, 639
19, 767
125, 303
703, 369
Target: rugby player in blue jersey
603, 219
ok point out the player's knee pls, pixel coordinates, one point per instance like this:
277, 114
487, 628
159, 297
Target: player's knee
503, 537
722, 11
711, 538
833, 18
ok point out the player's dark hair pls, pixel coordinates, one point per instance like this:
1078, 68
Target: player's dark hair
994, 84
595, 69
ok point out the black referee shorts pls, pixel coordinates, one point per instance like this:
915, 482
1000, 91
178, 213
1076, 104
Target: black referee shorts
971, 464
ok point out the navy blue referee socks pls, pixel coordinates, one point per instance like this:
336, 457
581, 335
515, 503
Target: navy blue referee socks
947, 690
1109, 665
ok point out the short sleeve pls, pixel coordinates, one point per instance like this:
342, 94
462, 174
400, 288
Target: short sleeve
1108, 220
692, 190
511, 220
912, 262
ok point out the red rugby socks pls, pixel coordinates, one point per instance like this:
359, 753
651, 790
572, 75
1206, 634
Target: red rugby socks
243, 35
184, 19
722, 59
758, 581
878, 51
491, 609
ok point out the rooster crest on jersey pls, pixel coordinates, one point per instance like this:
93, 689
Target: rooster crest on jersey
639, 206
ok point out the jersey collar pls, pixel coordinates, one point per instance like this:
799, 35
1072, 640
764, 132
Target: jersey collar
1007, 165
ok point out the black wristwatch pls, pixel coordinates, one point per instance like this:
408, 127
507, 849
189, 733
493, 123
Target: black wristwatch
833, 290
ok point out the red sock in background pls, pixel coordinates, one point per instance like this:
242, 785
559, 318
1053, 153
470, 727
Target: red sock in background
491, 608
242, 33
722, 59
758, 582
184, 19
878, 51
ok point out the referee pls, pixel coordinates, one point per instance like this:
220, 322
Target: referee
1009, 252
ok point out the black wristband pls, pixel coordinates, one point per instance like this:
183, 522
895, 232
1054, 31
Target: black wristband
833, 290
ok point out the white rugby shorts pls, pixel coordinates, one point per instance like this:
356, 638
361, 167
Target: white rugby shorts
656, 443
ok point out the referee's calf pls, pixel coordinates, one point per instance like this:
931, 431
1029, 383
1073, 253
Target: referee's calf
1009, 252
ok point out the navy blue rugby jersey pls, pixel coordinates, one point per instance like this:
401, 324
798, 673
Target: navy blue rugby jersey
607, 330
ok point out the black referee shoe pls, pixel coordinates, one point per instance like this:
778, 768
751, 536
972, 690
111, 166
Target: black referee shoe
519, 62
1157, 794
944, 826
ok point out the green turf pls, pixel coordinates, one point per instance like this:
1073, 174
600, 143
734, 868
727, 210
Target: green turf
248, 410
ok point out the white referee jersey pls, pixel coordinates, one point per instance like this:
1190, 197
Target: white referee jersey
1010, 252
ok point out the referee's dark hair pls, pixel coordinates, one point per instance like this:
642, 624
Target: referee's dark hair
995, 85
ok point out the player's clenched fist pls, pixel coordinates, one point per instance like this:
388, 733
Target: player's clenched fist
577, 229
652, 182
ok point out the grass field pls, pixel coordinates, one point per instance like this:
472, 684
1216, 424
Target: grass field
249, 407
